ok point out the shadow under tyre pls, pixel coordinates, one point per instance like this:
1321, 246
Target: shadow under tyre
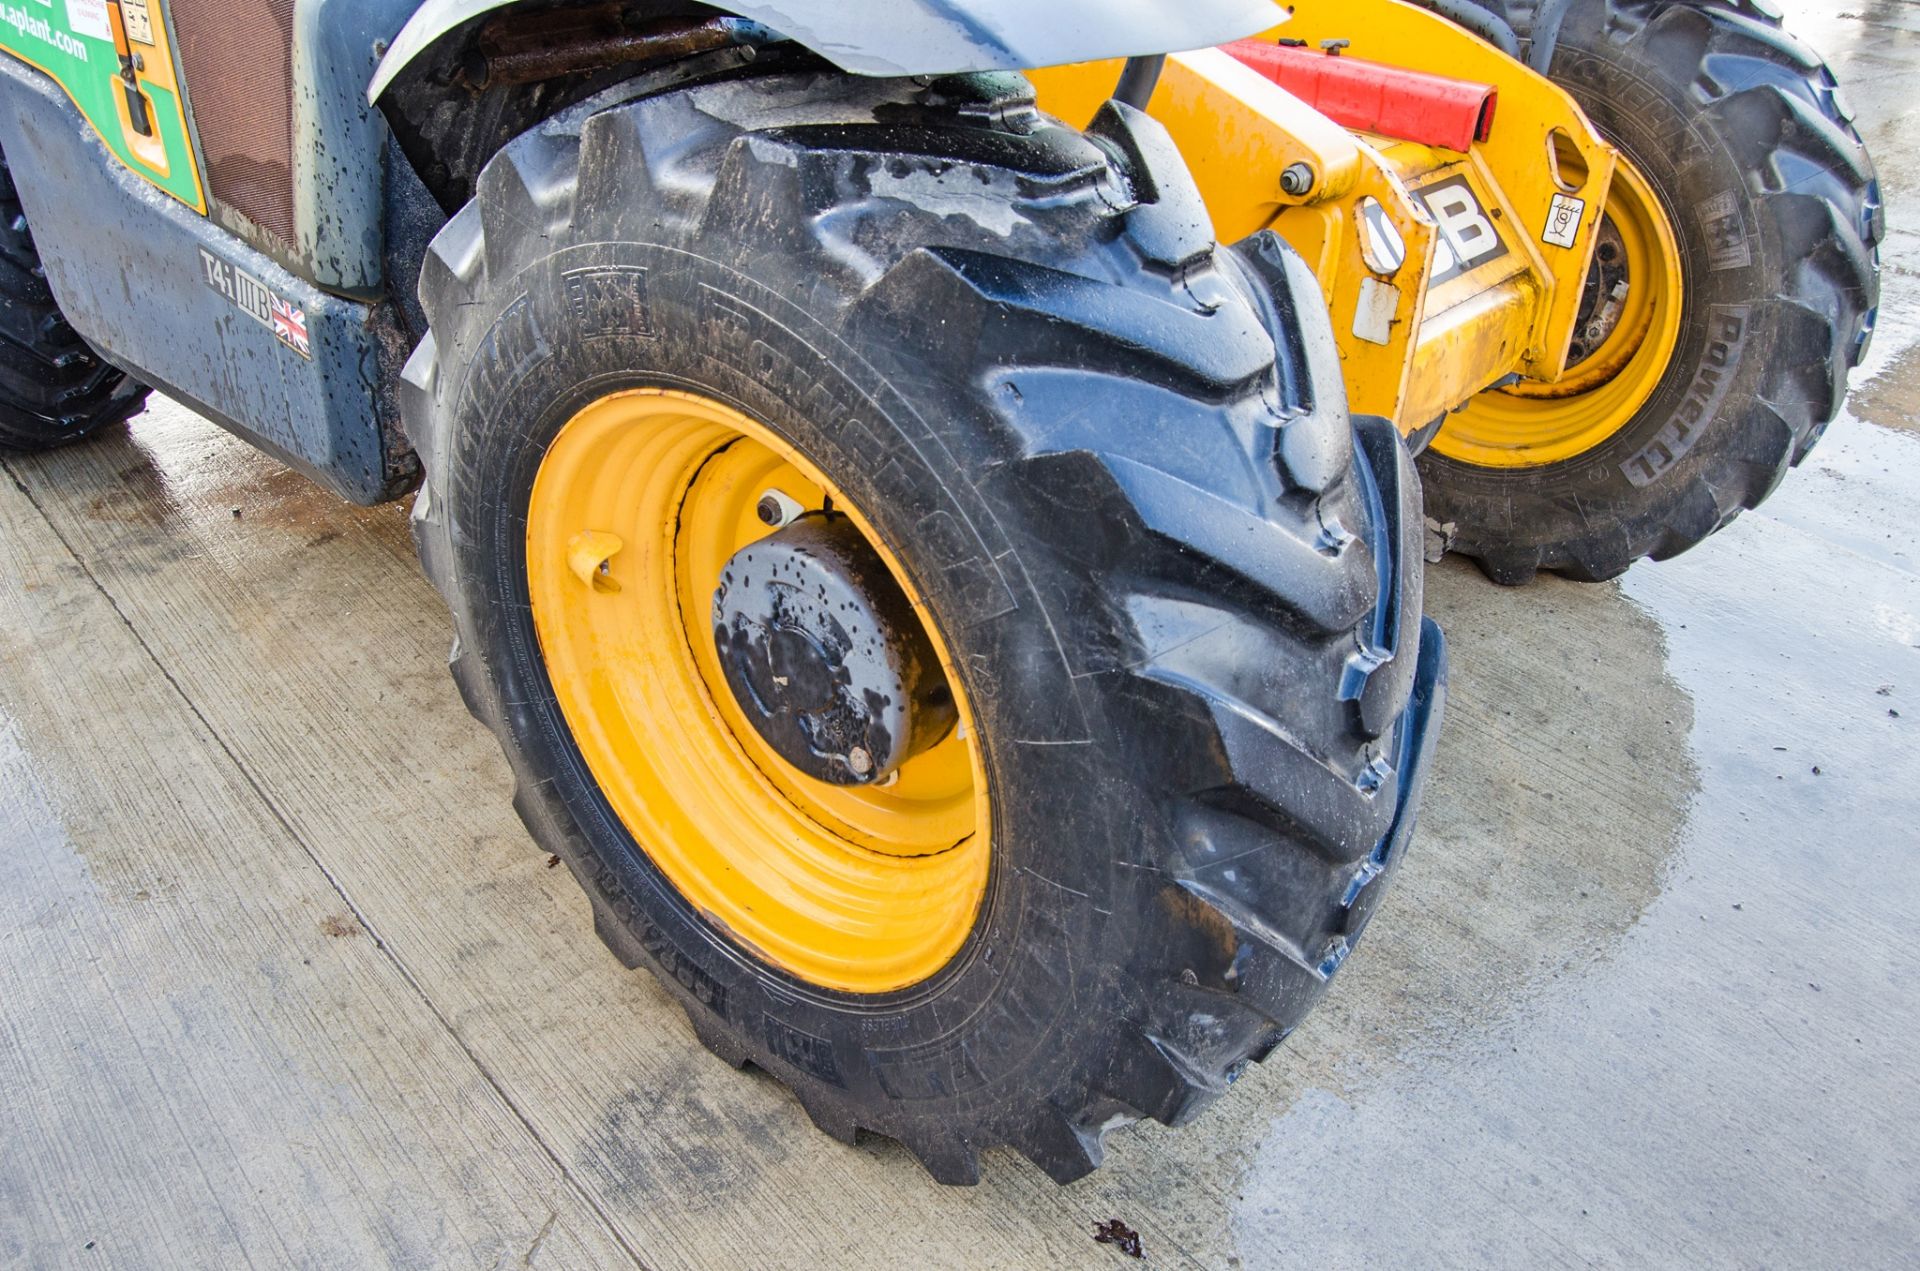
935, 602
1734, 287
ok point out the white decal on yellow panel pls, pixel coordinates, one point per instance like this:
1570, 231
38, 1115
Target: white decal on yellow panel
1563, 221
1468, 238
139, 23
286, 320
1373, 315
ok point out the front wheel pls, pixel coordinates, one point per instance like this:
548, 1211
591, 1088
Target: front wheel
934, 601
1733, 288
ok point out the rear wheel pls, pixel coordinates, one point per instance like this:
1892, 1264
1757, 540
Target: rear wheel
1734, 288
1629, 330
934, 601
53, 388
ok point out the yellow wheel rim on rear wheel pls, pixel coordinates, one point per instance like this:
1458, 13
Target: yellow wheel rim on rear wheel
1529, 425
640, 500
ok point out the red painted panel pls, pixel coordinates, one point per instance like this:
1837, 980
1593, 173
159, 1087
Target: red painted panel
1433, 110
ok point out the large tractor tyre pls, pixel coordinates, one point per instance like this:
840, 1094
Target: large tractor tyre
53, 388
1735, 287
1036, 772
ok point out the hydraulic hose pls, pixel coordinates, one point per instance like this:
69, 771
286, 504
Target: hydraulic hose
1137, 80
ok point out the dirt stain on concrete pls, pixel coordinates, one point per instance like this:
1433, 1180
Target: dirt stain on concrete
1892, 398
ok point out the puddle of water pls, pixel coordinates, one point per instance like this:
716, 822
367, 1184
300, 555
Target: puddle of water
1859, 492
1732, 1082
1564, 780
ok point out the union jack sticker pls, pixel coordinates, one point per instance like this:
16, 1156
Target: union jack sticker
290, 325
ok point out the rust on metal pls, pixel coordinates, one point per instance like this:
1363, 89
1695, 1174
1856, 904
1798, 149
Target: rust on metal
565, 42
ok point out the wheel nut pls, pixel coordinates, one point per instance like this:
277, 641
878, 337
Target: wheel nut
778, 509
590, 556
860, 761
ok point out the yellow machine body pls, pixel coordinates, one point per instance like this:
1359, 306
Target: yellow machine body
1424, 321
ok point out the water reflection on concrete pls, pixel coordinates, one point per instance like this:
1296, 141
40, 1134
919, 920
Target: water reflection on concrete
1561, 792
1731, 1081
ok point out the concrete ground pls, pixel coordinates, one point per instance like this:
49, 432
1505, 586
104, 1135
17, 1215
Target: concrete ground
282, 981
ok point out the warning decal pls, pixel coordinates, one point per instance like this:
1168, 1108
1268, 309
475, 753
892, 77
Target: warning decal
139, 23
1563, 221
89, 17
142, 121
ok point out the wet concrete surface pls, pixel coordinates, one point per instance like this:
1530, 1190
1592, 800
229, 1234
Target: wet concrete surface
285, 983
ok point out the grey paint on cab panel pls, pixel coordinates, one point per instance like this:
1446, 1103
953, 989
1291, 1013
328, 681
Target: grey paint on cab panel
130, 266
340, 140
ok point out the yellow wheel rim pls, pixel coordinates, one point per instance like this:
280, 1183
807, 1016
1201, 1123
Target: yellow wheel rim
638, 503
1530, 425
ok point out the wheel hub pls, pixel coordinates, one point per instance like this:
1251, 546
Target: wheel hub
824, 655
1603, 301
1632, 303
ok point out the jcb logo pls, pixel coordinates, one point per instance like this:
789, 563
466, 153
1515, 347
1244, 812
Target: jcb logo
1468, 239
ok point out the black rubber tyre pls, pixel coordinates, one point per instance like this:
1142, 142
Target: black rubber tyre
53, 388
1183, 588
1741, 131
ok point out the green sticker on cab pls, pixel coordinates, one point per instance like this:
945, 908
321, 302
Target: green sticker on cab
113, 60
